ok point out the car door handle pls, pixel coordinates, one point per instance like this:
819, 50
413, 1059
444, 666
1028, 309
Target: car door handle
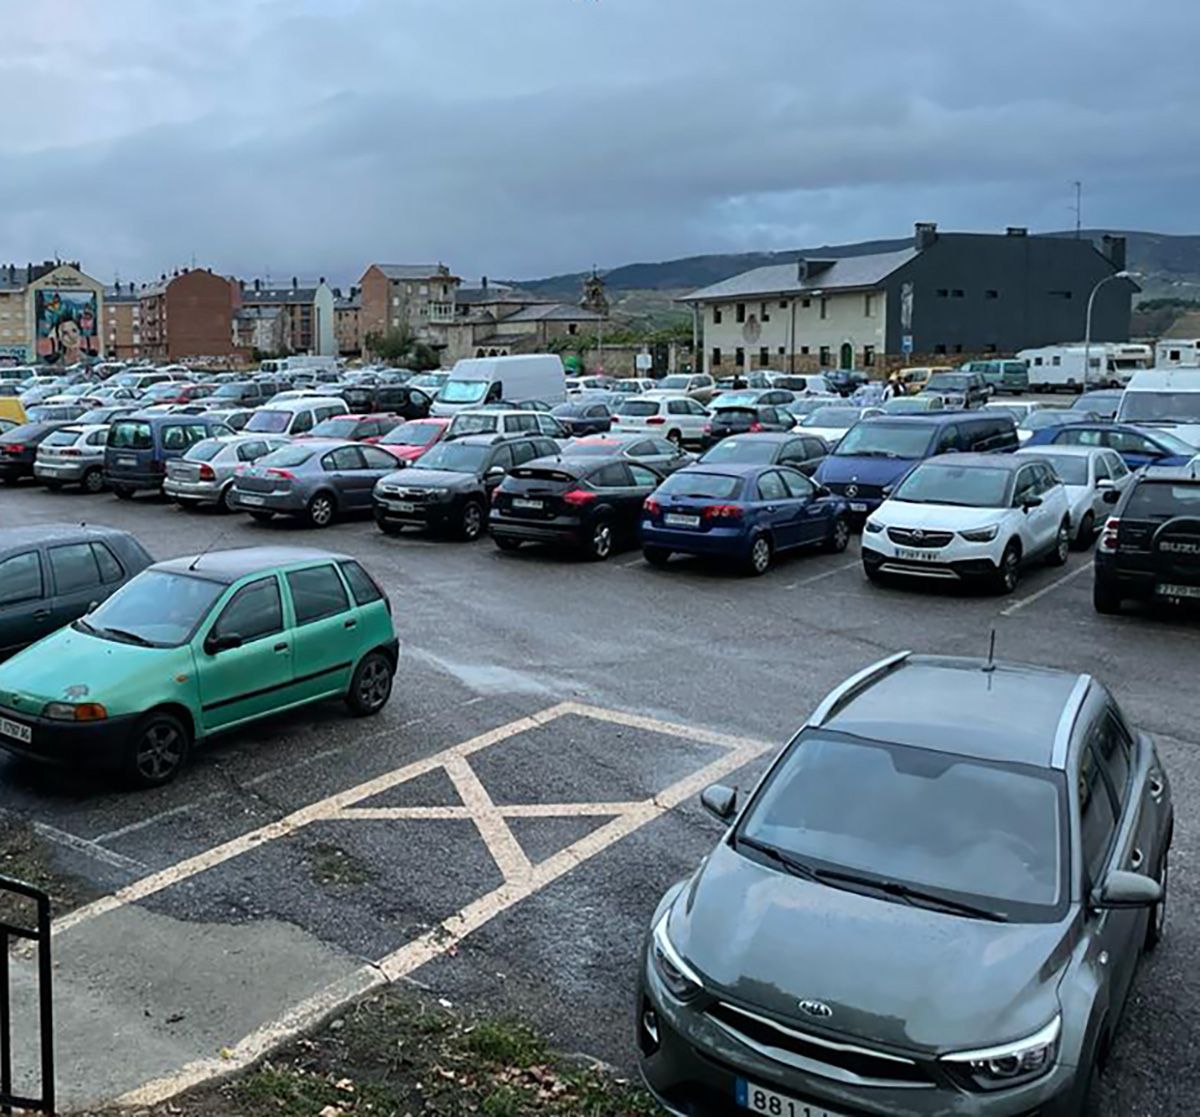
1157, 787
771, 508
41, 614
1135, 861
350, 623
281, 647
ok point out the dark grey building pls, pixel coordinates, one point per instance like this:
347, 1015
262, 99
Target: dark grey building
951, 295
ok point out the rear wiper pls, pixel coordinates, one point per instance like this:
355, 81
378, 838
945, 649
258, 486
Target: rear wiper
790, 864
909, 894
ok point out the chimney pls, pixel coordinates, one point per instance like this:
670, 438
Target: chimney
28, 273
1114, 249
321, 282
241, 284
295, 283
257, 285
807, 269
926, 234
483, 283
1016, 231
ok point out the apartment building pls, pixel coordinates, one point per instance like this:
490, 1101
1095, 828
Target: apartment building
308, 319
347, 322
122, 322
189, 314
50, 313
419, 298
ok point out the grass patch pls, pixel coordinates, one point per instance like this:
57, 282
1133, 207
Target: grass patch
506, 1043
26, 857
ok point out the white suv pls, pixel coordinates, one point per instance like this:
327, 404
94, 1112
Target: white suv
496, 420
678, 418
969, 517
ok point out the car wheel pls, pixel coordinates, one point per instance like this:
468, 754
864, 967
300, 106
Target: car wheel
470, 524
158, 750
321, 510
1156, 929
600, 544
225, 500
676, 437
262, 517
507, 543
122, 493
93, 481
53, 486
1087, 529
1008, 574
656, 556
1105, 598
1062, 546
758, 561
371, 686
839, 536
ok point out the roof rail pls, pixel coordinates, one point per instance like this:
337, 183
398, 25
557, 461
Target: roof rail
837, 698
1067, 720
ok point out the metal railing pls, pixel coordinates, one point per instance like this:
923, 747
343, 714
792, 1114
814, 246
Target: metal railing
41, 937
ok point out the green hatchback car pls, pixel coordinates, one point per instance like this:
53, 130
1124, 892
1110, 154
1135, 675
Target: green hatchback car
196, 646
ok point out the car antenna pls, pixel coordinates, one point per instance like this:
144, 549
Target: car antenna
207, 547
990, 666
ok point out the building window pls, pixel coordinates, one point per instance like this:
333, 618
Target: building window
991, 294
1056, 361
958, 349
572, 328
868, 305
939, 349
943, 292
824, 307
764, 313
783, 304
824, 356
804, 350
957, 293
868, 356
781, 351
395, 300
716, 315
716, 358
741, 312
764, 357
806, 303
739, 357
1060, 294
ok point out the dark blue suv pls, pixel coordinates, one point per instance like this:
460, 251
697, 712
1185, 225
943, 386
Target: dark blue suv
139, 447
876, 452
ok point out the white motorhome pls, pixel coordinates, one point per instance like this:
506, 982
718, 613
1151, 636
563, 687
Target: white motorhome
1177, 353
475, 381
295, 364
1165, 399
1054, 368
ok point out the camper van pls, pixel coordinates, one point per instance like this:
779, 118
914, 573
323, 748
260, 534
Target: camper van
1164, 399
295, 364
476, 381
1177, 352
1055, 368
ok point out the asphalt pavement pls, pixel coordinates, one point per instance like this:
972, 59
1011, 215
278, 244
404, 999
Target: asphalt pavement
502, 832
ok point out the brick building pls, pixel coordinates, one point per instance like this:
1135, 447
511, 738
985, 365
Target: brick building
347, 322
188, 315
122, 322
419, 298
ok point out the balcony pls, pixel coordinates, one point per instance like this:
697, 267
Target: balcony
441, 312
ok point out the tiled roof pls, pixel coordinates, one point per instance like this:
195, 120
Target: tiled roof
277, 296
552, 312
784, 279
414, 271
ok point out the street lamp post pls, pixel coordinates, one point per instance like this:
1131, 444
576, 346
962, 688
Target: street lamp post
1087, 335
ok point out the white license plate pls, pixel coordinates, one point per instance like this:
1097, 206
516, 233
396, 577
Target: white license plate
916, 556
401, 506
15, 730
857, 506
126, 461
1165, 590
674, 519
253, 501
521, 502
758, 1099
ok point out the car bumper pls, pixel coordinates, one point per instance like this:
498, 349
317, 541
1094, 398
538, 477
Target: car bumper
1141, 585
287, 503
47, 471
717, 542
93, 744
16, 469
565, 534
202, 492
133, 479
958, 561
441, 514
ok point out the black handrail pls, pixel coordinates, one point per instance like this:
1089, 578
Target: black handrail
41, 936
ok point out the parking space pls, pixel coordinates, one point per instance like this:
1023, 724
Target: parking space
502, 831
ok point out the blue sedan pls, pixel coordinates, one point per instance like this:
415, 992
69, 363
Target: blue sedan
748, 513
1137, 445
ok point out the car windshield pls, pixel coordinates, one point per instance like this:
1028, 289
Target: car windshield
947, 483
706, 485
572, 410
1160, 407
949, 381
1163, 500
454, 457
755, 450
1098, 401
474, 424
886, 440
463, 391
157, 608
835, 418
268, 421
335, 428
205, 451
911, 405
127, 435
987, 833
674, 383
1072, 469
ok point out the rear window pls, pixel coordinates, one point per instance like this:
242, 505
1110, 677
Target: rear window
638, 407
412, 434
204, 451
269, 422
61, 438
125, 435
1162, 500
585, 449
474, 424
362, 585
706, 485
287, 456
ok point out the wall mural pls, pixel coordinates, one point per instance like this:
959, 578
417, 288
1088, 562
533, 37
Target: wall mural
67, 325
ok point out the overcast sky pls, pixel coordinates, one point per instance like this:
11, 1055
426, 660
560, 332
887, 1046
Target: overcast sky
520, 138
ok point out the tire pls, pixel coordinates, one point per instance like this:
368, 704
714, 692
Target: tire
471, 521
875, 577
262, 517
122, 493
321, 511
1156, 929
600, 543
1087, 530
93, 482
1062, 546
157, 751
1008, 576
1105, 598
758, 561
658, 557
224, 500
371, 686
839, 536
389, 529
507, 543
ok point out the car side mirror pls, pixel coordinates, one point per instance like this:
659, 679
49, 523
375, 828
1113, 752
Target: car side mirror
1122, 890
887, 490
1031, 502
495, 472
1104, 484
1111, 496
720, 801
226, 642
91, 607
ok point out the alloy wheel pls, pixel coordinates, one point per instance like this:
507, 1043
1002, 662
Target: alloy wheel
602, 540
472, 522
160, 752
760, 555
93, 481
321, 511
841, 535
375, 684
1010, 571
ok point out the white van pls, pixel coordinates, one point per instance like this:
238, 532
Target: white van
1164, 399
295, 364
294, 416
475, 381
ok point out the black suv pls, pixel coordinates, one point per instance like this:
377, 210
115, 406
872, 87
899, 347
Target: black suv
449, 488
394, 399
1149, 549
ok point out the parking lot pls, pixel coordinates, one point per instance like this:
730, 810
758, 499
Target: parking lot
502, 832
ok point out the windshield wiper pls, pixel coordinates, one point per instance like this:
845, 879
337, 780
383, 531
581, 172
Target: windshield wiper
83, 625
910, 895
129, 637
790, 864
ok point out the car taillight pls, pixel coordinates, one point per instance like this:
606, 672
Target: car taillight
651, 505
14, 448
655, 421
722, 512
286, 474
577, 498
616, 418
755, 427
1108, 539
72, 453
207, 473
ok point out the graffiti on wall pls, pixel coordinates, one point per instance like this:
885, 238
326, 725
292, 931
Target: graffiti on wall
67, 325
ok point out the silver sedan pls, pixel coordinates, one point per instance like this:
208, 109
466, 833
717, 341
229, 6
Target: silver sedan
205, 474
73, 456
1088, 473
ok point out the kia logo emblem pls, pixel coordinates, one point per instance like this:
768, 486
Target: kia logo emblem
818, 1009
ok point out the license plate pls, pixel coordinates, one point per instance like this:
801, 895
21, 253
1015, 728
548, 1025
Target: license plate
758, 1099
1165, 590
253, 501
401, 506
857, 506
521, 502
126, 461
916, 556
673, 519
16, 730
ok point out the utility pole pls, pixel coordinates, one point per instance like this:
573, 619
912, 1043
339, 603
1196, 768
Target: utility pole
1078, 208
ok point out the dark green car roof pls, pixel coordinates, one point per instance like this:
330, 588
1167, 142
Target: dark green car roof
229, 566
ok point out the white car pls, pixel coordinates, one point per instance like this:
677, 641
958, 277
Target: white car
1088, 472
967, 517
675, 417
498, 420
834, 420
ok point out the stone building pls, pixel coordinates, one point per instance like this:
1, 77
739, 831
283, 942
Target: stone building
417, 298
307, 312
347, 322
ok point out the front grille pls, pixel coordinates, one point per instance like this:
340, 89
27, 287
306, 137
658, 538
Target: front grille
854, 490
915, 537
843, 1062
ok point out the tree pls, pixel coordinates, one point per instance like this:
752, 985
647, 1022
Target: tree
400, 346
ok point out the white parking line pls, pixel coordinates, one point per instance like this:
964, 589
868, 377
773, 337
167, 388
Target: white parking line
1016, 606
89, 847
823, 575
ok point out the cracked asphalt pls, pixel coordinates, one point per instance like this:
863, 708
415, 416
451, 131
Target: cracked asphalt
488, 639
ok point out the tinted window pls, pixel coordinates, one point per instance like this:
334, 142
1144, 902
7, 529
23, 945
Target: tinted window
110, 568
525, 451
702, 485
643, 477
20, 578
1161, 500
523, 422
377, 459
1097, 821
362, 585
300, 425
251, 451
74, 568
638, 407
343, 458
253, 612
1109, 739
130, 436
770, 487
678, 407
611, 477
316, 593
180, 438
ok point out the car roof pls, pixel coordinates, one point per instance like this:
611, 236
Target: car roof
53, 533
729, 469
1006, 462
768, 436
617, 438
929, 418
229, 566
1054, 450
490, 439
1189, 474
952, 704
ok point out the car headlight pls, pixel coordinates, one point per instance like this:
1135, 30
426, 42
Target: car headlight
872, 528
675, 973
69, 711
1010, 1064
981, 534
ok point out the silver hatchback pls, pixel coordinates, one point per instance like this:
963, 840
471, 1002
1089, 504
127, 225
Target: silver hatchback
73, 456
205, 474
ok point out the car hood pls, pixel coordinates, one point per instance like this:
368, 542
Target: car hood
768, 941
839, 470
415, 478
936, 517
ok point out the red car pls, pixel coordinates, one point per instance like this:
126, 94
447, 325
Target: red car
356, 428
410, 440
175, 391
